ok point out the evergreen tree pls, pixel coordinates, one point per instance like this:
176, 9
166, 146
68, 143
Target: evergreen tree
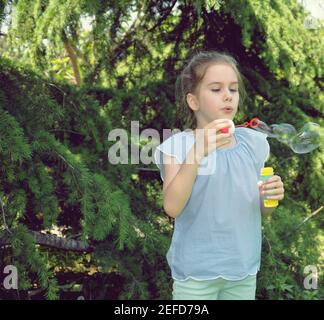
72, 71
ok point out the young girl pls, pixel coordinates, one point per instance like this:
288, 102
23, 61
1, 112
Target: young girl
210, 186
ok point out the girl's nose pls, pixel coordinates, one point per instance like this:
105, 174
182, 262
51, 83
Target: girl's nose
227, 95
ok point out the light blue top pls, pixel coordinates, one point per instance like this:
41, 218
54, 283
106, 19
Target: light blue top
218, 232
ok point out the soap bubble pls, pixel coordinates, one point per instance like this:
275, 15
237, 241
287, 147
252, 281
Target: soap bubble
264, 128
284, 132
309, 138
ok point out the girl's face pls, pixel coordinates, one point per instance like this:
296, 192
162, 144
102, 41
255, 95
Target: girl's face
217, 91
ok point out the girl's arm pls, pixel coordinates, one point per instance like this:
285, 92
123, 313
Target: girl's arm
178, 183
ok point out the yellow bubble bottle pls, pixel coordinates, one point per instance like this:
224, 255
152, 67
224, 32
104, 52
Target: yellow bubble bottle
266, 173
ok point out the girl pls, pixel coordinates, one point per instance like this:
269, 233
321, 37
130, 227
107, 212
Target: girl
216, 245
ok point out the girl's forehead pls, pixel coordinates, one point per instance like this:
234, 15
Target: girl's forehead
220, 73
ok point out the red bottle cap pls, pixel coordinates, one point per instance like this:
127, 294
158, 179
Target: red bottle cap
224, 130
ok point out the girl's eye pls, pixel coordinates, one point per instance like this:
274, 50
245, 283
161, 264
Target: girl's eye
217, 90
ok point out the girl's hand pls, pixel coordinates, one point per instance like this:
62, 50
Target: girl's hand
210, 137
272, 188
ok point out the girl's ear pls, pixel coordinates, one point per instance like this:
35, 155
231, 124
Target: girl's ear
192, 102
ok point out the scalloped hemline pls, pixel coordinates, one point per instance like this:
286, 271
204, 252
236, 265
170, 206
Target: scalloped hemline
221, 276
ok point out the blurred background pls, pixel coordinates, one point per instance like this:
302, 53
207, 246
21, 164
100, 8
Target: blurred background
76, 226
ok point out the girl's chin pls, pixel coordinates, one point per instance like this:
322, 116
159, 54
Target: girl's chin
224, 116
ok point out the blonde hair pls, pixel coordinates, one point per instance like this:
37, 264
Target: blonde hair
189, 80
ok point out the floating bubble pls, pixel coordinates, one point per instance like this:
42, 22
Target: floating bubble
308, 139
264, 128
284, 132
310, 136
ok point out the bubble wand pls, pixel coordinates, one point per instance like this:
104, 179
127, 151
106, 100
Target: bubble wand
253, 123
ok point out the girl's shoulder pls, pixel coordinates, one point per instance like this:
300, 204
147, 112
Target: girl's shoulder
248, 133
176, 145
256, 142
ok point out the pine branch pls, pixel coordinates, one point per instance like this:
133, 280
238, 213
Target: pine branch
163, 17
309, 217
53, 241
287, 235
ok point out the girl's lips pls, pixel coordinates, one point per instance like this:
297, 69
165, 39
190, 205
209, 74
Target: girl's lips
227, 109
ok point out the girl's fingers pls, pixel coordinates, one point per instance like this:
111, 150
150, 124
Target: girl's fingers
223, 136
273, 188
272, 179
279, 197
274, 191
216, 123
272, 185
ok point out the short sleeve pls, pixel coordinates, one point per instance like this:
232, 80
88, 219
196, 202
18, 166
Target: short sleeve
258, 145
178, 146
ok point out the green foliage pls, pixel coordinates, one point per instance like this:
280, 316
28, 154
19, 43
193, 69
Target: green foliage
289, 246
60, 171
29, 260
13, 144
55, 171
